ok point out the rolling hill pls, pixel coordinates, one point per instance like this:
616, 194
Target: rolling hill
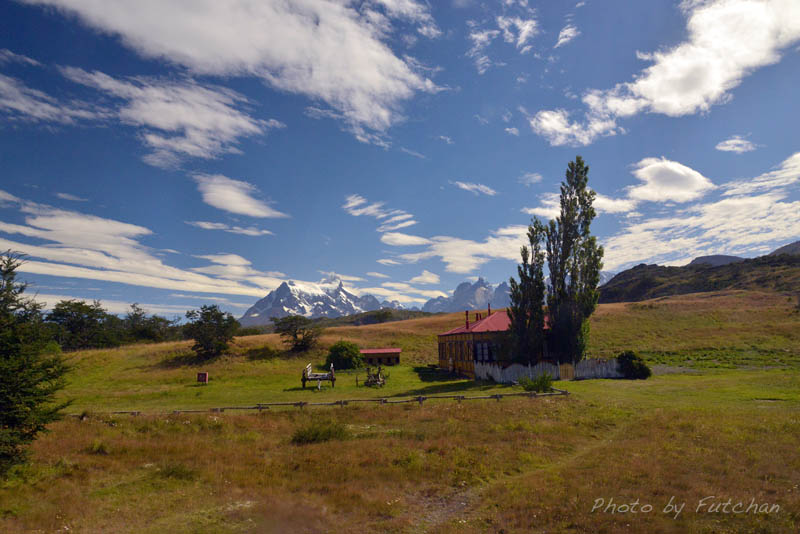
774, 272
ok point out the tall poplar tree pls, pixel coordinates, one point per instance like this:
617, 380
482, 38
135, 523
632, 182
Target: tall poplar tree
574, 260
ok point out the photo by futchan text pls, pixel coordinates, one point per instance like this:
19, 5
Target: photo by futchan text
711, 504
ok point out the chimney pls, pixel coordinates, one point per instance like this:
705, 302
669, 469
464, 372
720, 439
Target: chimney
466, 318
490, 310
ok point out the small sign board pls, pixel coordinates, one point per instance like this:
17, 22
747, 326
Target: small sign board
202, 378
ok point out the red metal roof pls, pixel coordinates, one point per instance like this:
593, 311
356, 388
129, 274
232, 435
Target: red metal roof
380, 351
496, 322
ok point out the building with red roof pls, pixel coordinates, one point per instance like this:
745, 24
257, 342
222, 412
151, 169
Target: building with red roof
483, 340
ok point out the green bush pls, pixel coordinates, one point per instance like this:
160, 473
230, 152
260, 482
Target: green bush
318, 432
632, 366
344, 355
540, 384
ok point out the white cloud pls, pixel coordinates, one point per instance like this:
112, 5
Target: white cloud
377, 275
727, 40
516, 30
526, 29
328, 51
480, 40
555, 126
412, 153
7, 56
333, 276
666, 180
388, 261
567, 34
407, 288
604, 204
67, 196
476, 189
393, 219
249, 230
179, 118
21, 102
414, 11
121, 307
77, 245
234, 196
426, 277
786, 174
751, 216
399, 239
445, 139
512, 131
530, 178
466, 255
549, 206
736, 144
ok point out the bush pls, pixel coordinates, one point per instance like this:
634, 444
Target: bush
632, 366
212, 330
540, 384
301, 333
318, 432
344, 355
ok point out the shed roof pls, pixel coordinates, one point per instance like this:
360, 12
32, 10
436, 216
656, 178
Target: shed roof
381, 351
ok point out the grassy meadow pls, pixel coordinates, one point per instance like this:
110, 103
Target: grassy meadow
721, 418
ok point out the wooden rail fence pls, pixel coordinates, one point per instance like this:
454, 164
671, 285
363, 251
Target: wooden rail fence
344, 402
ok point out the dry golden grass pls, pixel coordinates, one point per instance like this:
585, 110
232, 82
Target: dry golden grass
517, 465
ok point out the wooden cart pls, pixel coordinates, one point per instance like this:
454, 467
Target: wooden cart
309, 375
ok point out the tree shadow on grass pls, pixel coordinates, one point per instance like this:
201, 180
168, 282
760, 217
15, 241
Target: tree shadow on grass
184, 360
427, 373
452, 388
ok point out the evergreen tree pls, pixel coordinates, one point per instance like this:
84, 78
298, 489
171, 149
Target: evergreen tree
527, 300
31, 368
574, 260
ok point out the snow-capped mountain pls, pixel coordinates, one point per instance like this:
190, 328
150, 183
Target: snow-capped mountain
325, 299
471, 297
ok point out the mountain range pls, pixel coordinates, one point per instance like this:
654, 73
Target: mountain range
329, 298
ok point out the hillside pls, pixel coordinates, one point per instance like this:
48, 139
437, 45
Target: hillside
791, 248
766, 273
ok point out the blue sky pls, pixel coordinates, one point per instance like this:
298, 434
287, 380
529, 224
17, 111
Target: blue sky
182, 153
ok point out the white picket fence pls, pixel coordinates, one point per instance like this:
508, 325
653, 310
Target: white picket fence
589, 368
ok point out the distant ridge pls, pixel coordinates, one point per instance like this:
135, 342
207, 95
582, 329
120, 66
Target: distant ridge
715, 261
773, 272
791, 248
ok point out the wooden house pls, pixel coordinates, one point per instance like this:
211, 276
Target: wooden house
482, 340
387, 356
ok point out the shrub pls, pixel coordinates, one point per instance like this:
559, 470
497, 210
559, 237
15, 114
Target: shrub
301, 333
632, 366
212, 330
540, 384
344, 355
318, 432
176, 471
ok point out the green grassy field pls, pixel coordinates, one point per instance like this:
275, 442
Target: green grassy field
721, 418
